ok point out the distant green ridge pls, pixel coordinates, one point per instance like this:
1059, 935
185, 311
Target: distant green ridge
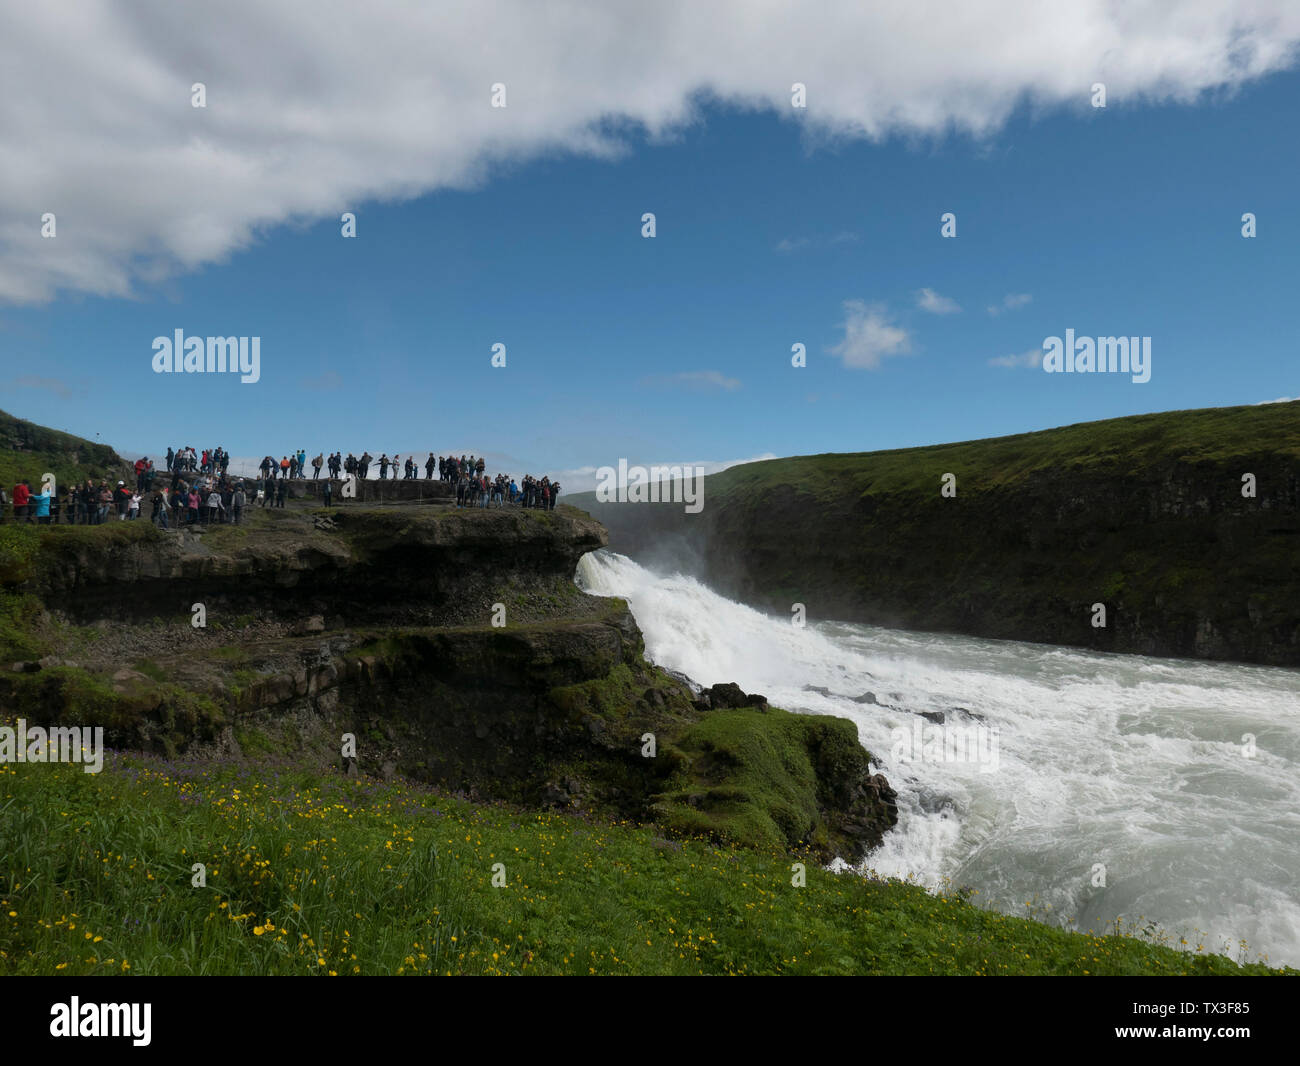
1145, 514
30, 451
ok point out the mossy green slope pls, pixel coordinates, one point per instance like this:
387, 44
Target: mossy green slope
31, 451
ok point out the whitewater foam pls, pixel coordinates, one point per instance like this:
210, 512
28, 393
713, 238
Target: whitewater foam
1131, 762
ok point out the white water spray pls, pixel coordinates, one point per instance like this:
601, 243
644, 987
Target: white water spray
1134, 763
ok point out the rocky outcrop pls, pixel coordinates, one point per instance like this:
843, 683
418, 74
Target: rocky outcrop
452, 647
428, 566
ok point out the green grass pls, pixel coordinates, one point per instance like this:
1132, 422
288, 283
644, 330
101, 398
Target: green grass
1118, 445
751, 777
30, 451
19, 615
1112, 446
317, 875
71, 695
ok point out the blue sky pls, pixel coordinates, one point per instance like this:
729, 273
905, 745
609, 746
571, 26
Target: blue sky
677, 349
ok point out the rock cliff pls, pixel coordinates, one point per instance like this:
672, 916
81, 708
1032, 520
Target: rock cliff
1185, 526
453, 646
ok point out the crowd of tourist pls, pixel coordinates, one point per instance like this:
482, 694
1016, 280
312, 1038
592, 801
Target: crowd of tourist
197, 488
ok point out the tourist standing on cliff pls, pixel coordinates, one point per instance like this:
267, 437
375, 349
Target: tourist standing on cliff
316, 465
22, 495
327, 492
39, 506
281, 492
160, 507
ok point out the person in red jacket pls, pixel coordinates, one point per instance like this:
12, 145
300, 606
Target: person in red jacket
22, 492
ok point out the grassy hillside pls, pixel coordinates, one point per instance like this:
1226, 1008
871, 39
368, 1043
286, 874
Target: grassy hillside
1145, 515
309, 874
1120, 446
29, 451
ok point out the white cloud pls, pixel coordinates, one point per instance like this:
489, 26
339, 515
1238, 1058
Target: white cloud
1032, 359
929, 300
796, 244
308, 117
869, 336
1280, 399
696, 380
1012, 301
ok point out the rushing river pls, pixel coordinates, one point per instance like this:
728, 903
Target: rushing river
1073, 761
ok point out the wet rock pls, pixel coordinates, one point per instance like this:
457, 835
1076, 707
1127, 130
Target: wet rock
677, 675
727, 694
